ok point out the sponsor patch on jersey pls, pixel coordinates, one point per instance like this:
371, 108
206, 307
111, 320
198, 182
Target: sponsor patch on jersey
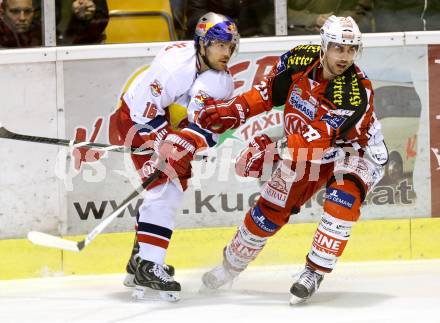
332, 155
333, 121
262, 222
156, 88
281, 66
339, 197
304, 106
297, 89
343, 112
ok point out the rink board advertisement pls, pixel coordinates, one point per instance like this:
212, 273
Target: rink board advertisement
219, 198
70, 192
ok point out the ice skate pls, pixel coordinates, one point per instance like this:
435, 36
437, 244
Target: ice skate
149, 277
306, 285
218, 277
133, 263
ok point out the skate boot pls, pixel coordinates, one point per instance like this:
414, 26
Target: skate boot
151, 276
219, 276
133, 263
306, 285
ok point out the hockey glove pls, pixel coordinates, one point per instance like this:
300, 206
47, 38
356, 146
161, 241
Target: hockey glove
260, 152
219, 116
176, 152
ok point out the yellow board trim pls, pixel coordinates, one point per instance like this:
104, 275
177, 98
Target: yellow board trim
191, 248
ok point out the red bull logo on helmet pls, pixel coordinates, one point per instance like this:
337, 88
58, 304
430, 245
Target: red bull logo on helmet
203, 27
232, 28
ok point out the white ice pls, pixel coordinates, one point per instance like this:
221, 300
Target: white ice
379, 292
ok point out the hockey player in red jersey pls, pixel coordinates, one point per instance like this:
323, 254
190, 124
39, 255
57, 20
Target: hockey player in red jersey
180, 77
332, 138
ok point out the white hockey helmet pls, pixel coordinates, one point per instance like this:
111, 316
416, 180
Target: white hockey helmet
341, 30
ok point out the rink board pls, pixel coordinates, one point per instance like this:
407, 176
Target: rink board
195, 248
54, 92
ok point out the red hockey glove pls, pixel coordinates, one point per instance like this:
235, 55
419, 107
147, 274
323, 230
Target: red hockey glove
219, 116
176, 152
261, 150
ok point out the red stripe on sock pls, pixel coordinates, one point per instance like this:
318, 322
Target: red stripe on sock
155, 241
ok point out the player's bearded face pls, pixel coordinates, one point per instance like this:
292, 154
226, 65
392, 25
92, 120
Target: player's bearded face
219, 53
338, 57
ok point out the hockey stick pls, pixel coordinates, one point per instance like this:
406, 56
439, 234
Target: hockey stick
5, 133
48, 240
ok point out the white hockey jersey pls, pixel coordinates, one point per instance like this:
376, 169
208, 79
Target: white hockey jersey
172, 79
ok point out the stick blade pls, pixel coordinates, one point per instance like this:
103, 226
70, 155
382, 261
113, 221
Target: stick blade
4, 133
47, 240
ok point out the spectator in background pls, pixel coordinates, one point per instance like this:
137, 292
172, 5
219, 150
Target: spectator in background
253, 17
431, 16
257, 18
306, 17
17, 26
88, 20
406, 15
178, 8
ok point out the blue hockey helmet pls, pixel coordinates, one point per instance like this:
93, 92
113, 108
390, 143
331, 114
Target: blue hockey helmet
213, 26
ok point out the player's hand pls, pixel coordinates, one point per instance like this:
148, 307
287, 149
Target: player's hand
83, 9
219, 116
260, 151
176, 152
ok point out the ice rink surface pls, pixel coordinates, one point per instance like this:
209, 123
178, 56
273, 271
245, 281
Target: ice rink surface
385, 292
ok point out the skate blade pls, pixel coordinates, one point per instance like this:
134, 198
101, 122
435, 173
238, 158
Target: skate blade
144, 293
129, 280
214, 285
203, 289
295, 300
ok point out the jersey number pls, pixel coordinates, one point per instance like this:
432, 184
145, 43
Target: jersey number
311, 134
150, 111
178, 45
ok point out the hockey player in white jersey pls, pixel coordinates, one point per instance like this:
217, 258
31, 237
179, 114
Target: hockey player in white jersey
179, 79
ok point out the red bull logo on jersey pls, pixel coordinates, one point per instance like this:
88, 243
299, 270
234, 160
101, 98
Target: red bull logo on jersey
200, 98
156, 88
